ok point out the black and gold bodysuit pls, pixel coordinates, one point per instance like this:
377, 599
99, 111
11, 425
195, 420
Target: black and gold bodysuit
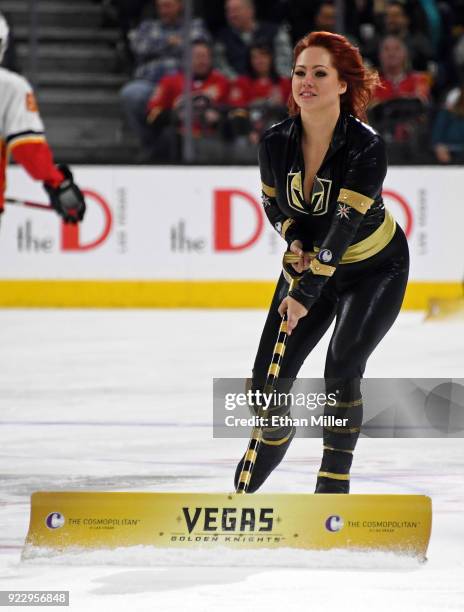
358, 276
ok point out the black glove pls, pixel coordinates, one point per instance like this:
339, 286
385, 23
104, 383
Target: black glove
67, 198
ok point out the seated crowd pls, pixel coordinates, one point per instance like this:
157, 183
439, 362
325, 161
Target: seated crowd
241, 66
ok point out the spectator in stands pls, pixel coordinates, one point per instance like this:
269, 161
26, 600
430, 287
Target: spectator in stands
305, 16
458, 69
361, 18
400, 104
157, 48
275, 11
396, 22
128, 12
396, 78
325, 19
258, 99
241, 31
448, 129
300, 17
458, 51
262, 82
164, 111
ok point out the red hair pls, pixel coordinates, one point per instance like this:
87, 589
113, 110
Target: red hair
347, 60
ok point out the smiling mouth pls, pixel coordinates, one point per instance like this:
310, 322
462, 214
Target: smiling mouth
307, 94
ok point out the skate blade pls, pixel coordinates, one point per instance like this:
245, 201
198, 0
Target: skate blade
72, 521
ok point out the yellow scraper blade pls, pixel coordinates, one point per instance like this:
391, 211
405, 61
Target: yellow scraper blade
86, 520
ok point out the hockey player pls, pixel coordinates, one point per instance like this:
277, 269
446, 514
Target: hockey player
22, 136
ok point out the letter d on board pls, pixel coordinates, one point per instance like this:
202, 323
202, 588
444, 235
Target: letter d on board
70, 232
223, 227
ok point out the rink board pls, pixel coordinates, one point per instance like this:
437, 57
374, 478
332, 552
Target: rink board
176, 294
214, 247
86, 520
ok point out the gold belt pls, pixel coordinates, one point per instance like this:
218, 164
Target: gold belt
371, 245
363, 249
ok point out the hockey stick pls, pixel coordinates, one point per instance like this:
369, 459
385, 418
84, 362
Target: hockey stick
257, 432
27, 203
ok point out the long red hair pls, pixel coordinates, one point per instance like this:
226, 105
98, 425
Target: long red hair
346, 58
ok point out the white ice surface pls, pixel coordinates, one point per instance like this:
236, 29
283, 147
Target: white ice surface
122, 400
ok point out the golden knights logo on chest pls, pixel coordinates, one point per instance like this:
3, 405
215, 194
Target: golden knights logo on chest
320, 194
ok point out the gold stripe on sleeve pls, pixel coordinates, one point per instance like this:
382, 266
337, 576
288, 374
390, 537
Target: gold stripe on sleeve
321, 269
285, 225
356, 200
269, 191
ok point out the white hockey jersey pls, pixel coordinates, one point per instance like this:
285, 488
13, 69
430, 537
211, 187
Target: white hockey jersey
19, 117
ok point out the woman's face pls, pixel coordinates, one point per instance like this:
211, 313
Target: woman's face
315, 82
260, 62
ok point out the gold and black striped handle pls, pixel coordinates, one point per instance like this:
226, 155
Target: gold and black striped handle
257, 432
291, 258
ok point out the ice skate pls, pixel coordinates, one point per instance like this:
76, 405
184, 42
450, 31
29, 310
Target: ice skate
330, 485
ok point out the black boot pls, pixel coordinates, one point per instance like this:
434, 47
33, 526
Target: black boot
270, 454
330, 485
334, 473
340, 442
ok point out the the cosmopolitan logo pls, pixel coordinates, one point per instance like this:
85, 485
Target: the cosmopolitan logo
54, 520
227, 520
334, 523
